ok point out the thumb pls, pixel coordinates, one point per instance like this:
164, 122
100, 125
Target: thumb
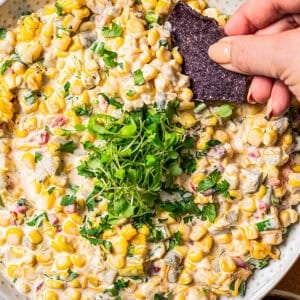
250, 54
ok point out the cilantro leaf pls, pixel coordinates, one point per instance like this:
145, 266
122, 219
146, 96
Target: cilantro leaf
37, 157
37, 220
30, 98
130, 93
138, 77
1, 202
51, 190
175, 241
68, 147
224, 111
7, 64
67, 86
59, 9
163, 43
83, 110
130, 252
115, 31
68, 200
111, 100
209, 212
210, 144
210, 181
3, 32
117, 287
72, 275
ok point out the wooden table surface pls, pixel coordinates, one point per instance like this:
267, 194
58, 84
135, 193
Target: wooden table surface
291, 282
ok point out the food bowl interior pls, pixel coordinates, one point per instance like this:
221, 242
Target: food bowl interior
258, 285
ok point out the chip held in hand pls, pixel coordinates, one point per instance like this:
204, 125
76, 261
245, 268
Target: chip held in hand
194, 34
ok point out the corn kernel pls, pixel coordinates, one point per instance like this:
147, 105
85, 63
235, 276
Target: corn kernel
29, 160
13, 271
195, 255
198, 232
149, 4
128, 232
205, 243
63, 262
54, 284
78, 260
178, 58
185, 278
70, 228
251, 232
187, 120
45, 257
49, 295
120, 246
14, 236
153, 36
162, 7
117, 261
255, 137
73, 294
144, 230
35, 237
135, 26
222, 238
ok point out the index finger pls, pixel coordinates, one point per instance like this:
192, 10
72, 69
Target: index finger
255, 15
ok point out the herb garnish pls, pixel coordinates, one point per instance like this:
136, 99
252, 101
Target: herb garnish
37, 220
118, 286
175, 241
115, 31
59, 9
3, 32
37, 157
210, 144
68, 147
138, 77
213, 182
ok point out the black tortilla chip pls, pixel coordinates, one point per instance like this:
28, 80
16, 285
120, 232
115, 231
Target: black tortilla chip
194, 34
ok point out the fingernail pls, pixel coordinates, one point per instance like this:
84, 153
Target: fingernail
249, 97
220, 52
269, 109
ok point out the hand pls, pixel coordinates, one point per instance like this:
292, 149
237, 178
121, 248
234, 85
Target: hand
264, 40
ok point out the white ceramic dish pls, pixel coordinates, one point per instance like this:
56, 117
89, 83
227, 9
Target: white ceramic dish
263, 281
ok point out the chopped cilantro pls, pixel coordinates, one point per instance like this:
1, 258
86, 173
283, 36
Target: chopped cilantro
117, 287
111, 100
175, 241
213, 182
83, 110
7, 64
68, 147
68, 200
130, 93
37, 157
163, 43
67, 86
59, 9
115, 31
3, 32
51, 190
30, 97
209, 212
72, 275
210, 144
1, 202
131, 251
37, 220
138, 77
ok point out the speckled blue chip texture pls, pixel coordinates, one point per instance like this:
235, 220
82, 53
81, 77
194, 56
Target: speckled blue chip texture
193, 34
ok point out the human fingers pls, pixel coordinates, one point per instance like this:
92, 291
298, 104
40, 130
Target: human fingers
275, 55
260, 90
255, 15
286, 23
280, 99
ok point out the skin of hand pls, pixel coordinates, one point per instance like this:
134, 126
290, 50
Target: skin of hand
264, 40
